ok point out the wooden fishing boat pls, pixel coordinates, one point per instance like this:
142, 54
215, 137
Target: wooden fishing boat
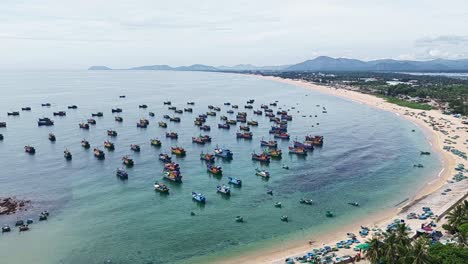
262, 173
215, 170
172, 135
111, 133
261, 157
223, 189
67, 154
29, 149
99, 154
1, 136
135, 147
164, 158
189, 110
273, 104
198, 197
205, 128
174, 176
116, 110
216, 108
223, 153
282, 135
161, 187
85, 144
162, 124
98, 114
257, 112
44, 122
155, 142
144, 121
270, 143
224, 126
227, 103
52, 137
72, 107
108, 145
198, 122
91, 121
172, 166
167, 103
121, 173
224, 118
207, 157
231, 122
175, 119
15, 113
286, 117
298, 151
142, 125
198, 140
206, 138
127, 161
306, 145
244, 135
211, 113
118, 119
178, 151
241, 119
151, 114
274, 153
252, 123
142, 106
244, 128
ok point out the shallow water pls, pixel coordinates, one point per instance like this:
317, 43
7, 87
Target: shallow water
368, 157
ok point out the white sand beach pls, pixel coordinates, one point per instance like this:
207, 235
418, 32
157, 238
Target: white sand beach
441, 130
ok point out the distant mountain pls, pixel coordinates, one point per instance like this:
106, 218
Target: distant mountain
99, 68
323, 63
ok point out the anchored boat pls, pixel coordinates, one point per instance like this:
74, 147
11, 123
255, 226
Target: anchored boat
216, 170
161, 187
29, 149
85, 144
99, 154
298, 151
108, 145
223, 153
178, 151
121, 173
164, 157
270, 143
45, 122
172, 135
155, 142
52, 137
235, 181
67, 154
207, 157
198, 197
262, 173
135, 147
261, 157
223, 189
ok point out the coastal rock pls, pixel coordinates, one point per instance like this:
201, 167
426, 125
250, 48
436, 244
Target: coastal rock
11, 205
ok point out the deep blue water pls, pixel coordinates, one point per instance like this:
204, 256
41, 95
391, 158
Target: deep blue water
368, 156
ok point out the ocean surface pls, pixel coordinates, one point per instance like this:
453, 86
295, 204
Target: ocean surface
367, 157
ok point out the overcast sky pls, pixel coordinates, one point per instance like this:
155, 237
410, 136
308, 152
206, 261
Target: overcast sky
52, 34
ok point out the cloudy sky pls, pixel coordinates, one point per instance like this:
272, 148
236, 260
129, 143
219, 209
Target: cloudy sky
52, 34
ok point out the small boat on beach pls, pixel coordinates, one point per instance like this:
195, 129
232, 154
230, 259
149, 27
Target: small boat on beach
164, 158
127, 161
85, 144
135, 147
111, 133
67, 154
235, 181
161, 187
207, 157
198, 197
216, 170
261, 157
108, 145
223, 189
29, 149
121, 173
223, 153
99, 154
52, 137
178, 151
262, 173
172, 135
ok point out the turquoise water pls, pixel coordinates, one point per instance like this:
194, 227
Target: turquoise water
368, 156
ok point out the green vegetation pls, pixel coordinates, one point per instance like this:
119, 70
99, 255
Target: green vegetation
404, 103
395, 247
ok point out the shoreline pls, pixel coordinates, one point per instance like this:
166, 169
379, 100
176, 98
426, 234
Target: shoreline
426, 195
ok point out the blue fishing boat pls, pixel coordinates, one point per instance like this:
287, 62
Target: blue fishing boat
223, 189
198, 197
224, 126
305, 145
235, 181
223, 153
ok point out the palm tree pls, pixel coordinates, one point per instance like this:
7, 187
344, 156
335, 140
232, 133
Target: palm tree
456, 216
393, 251
418, 253
375, 250
401, 233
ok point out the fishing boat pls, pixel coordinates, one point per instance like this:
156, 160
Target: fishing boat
278, 205
223, 189
3, 124
142, 125
151, 114
216, 170
264, 106
269, 114
207, 157
135, 147
116, 110
174, 176
1, 136
286, 117
425, 153
172, 108
278, 129
314, 140
172, 135
244, 128
72, 107
211, 113
164, 158
91, 121
127, 161
354, 204
224, 118
282, 112
172, 166
224, 126
230, 111
29, 149
241, 119
98, 114
191, 103
144, 121
161, 187
235, 181
84, 125
205, 128
175, 119
235, 106
52, 137
198, 122
305, 145
118, 119
270, 143
44, 122
166, 116
178, 151
216, 108
223, 153
227, 103
121, 173
46, 104
268, 111
248, 106
108, 145
190, 110
6, 228
244, 135
297, 151
231, 122
284, 166
329, 214
198, 197
155, 142
27, 108
199, 140
206, 138
99, 154
142, 106
60, 113
262, 173
273, 104
261, 157
111, 133
13, 113
284, 218
162, 124
67, 154
282, 135
210, 107
167, 102
252, 123
306, 201
23, 228
274, 153
85, 144
257, 112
